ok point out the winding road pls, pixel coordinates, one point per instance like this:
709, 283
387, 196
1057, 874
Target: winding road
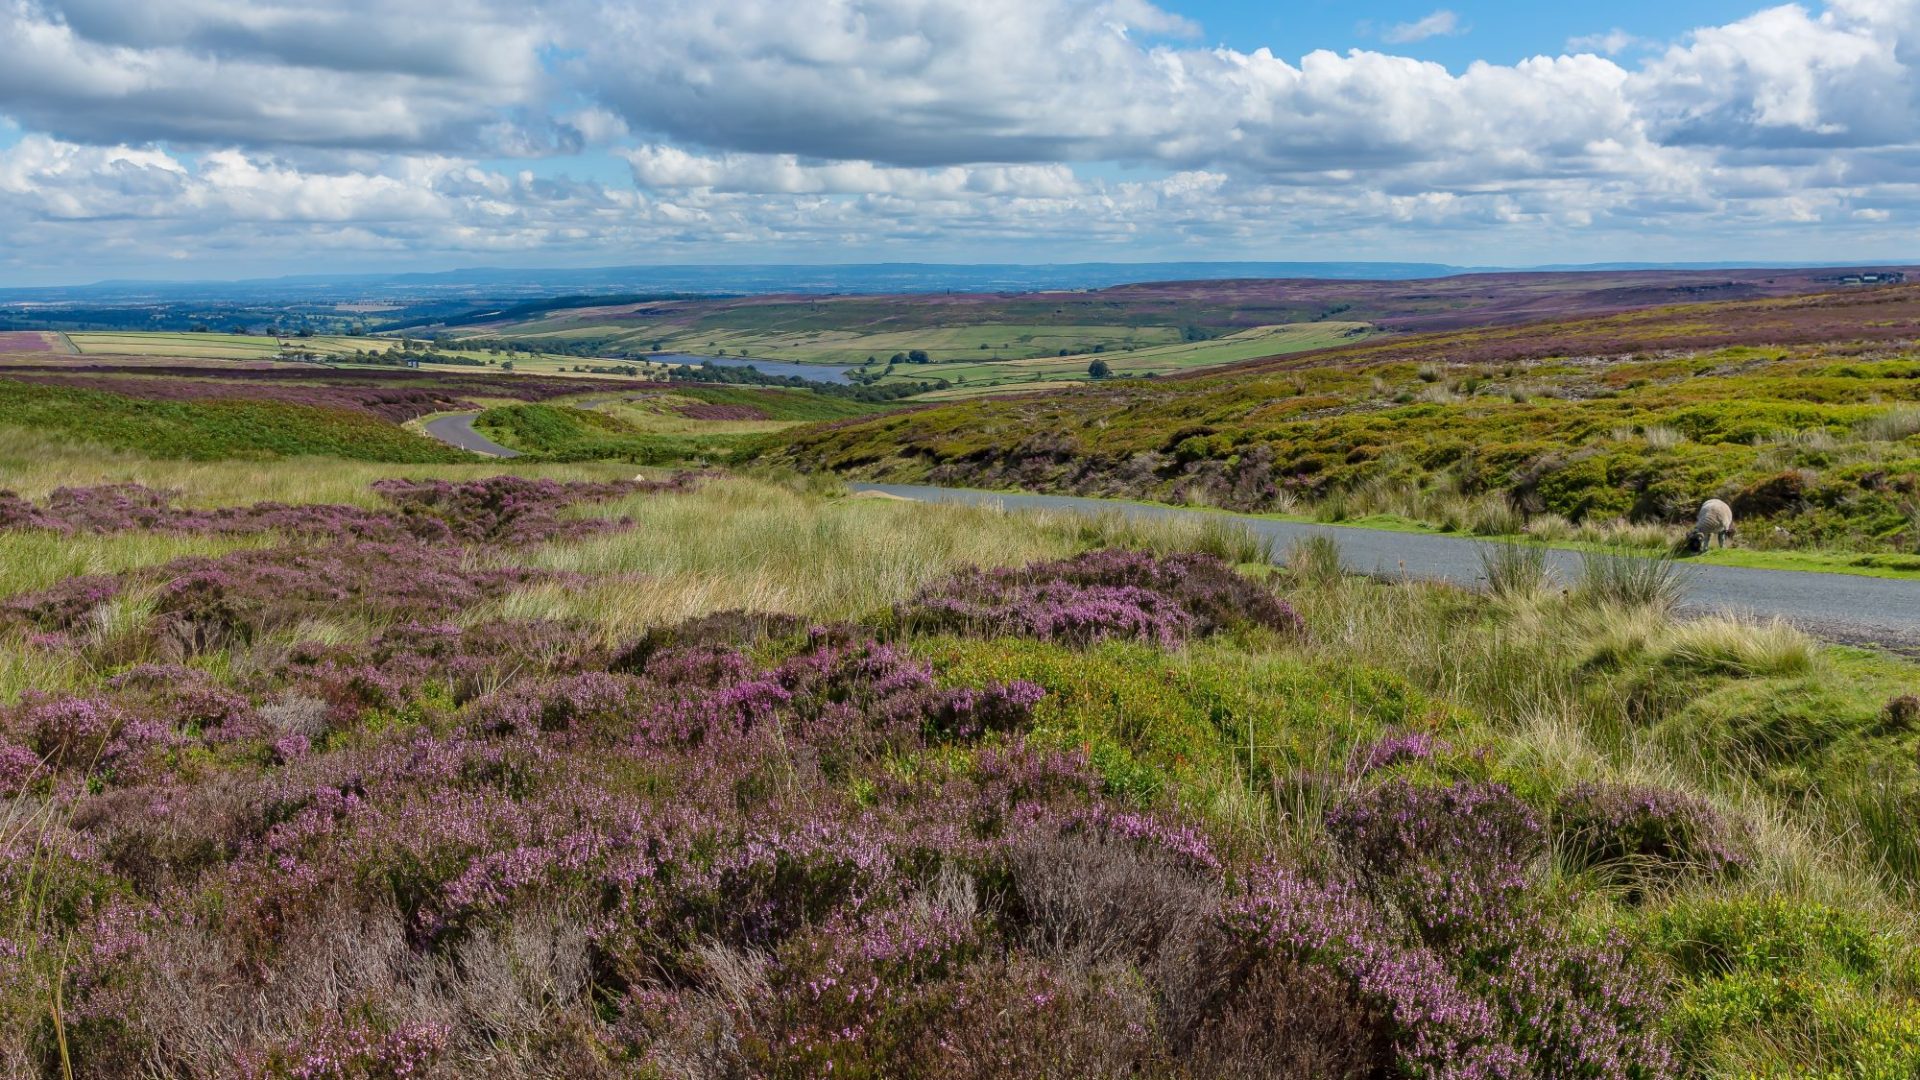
1839, 607
457, 430
1856, 610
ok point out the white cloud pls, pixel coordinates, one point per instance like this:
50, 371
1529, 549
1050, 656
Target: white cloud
1442, 23
1612, 43
670, 168
364, 73
1040, 125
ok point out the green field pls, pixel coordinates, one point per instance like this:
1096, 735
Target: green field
1158, 360
968, 349
217, 346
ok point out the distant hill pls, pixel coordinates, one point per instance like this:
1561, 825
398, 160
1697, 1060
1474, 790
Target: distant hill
506, 283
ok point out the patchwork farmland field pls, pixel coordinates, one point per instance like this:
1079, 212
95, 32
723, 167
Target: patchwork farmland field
1027, 339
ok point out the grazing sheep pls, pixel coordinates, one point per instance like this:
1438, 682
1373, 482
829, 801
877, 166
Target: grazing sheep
1715, 521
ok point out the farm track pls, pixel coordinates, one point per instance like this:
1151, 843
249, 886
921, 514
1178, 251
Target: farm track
1850, 610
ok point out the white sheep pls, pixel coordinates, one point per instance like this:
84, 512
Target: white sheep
1715, 521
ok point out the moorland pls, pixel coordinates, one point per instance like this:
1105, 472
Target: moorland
327, 750
1803, 413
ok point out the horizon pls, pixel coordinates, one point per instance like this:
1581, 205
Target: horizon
253, 139
1305, 271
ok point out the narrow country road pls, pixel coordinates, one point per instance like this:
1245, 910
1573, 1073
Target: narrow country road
1840, 607
457, 430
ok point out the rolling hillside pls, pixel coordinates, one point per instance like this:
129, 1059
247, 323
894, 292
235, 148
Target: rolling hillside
1801, 411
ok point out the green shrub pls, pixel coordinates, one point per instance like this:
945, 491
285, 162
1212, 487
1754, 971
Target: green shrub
1773, 986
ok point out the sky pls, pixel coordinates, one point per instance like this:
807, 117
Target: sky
210, 139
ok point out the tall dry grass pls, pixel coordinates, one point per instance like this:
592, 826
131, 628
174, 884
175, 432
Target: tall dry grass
758, 545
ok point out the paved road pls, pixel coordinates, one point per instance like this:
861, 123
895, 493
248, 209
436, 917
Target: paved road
457, 430
1857, 610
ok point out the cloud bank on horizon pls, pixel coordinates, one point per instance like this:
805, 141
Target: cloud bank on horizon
218, 136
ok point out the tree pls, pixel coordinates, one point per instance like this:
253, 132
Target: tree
508, 366
918, 356
1099, 369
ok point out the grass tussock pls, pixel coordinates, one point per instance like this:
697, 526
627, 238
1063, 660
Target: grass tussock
1627, 578
1314, 560
1515, 571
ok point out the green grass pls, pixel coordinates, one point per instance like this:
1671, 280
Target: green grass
565, 433
207, 430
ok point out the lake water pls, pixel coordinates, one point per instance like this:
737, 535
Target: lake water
816, 372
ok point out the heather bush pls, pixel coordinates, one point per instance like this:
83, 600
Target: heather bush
1535, 999
515, 510
64, 607
492, 510
1098, 596
1644, 834
1396, 748
1453, 858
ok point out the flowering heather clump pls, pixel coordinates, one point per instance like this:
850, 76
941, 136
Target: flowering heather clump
340, 1050
1451, 857
513, 509
19, 766
495, 510
1099, 596
64, 606
1396, 749
89, 734
120, 507
208, 603
1640, 831
1456, 863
